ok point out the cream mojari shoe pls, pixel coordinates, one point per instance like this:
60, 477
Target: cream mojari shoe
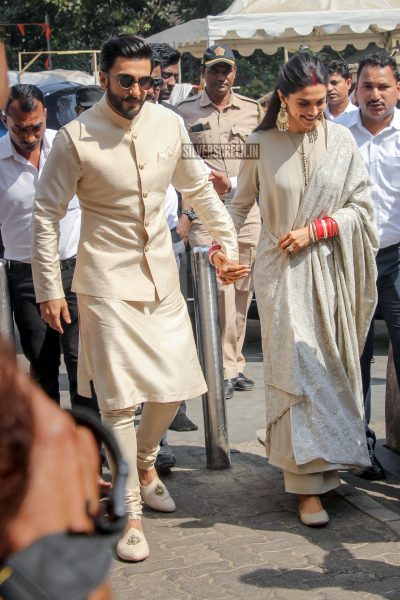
157, 497
133, 546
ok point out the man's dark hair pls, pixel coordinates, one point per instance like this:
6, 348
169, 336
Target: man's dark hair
301, 70
156, 57
126, 45
379, 59
27, 95
167, 54
340, 67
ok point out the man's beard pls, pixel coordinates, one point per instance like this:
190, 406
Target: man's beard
117, 104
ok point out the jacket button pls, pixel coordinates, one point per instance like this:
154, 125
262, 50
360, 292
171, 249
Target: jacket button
147, 222
141, 166
145, 194
134, 135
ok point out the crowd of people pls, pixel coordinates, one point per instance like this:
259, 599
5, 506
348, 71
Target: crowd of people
95, 219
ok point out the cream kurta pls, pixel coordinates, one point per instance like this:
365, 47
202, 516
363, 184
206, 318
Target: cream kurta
120, 170
316, 305
137, 340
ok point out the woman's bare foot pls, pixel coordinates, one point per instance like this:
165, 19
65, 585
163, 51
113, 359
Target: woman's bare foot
310, 504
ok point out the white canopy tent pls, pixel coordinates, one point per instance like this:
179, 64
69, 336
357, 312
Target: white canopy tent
248, 25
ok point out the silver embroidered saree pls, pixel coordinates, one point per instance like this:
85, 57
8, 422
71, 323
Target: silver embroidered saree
315, 306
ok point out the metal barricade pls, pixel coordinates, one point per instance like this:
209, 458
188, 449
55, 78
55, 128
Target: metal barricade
6, 320
210, 353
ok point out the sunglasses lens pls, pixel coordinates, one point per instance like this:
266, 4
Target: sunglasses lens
126, 81
157, 82
146, 83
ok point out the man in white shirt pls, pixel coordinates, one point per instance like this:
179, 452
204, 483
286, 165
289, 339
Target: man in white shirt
376, 129
23, 152
339, 86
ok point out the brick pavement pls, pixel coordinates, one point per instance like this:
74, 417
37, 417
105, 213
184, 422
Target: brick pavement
236, 535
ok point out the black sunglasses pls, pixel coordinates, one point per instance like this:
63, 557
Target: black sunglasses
158, 82
127, 81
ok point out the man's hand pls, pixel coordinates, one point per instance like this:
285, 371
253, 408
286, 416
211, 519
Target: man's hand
221, 183
183, 227
228, 271
51, 311
294, 241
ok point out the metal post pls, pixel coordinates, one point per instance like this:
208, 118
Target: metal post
210, 353
6, 320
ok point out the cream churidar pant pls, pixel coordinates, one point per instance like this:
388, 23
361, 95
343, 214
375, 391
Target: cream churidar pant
140, 451
315, 477
138, 352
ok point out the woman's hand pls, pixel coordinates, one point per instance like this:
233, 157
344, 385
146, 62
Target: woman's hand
296, 240
228, 271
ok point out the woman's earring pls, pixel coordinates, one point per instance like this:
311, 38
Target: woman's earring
282, 120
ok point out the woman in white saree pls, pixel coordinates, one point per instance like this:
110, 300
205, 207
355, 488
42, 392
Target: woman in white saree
314, 278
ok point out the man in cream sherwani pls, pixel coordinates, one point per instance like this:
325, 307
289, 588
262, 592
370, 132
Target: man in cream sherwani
136, 338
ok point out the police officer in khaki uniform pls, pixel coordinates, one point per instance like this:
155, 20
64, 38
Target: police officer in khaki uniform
219, 121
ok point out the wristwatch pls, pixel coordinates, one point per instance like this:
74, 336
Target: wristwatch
189, 212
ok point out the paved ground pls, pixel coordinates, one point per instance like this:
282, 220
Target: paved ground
236, 535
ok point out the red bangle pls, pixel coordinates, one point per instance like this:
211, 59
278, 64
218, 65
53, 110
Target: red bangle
324, 228
319, 228
333, 229
213, 249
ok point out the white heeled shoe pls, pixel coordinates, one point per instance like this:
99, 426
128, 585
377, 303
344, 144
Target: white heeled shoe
157, 497
133, 546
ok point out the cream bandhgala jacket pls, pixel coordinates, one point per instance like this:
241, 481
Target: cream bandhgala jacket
120, 169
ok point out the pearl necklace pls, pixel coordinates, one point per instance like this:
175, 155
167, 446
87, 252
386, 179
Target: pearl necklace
305, 158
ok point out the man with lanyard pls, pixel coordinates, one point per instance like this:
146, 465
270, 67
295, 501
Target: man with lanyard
218, 122
376, 129
23, 153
